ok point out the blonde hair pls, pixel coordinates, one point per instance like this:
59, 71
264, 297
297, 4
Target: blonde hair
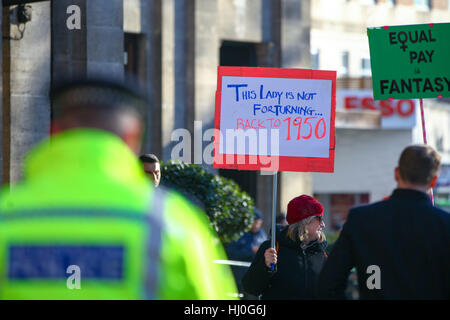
299, 231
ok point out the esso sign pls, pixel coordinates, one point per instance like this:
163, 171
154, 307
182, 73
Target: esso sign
395, 114
388, 108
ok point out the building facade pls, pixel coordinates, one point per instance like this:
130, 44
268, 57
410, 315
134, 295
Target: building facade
173, 48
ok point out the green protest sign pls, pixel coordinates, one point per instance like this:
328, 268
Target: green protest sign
411, 61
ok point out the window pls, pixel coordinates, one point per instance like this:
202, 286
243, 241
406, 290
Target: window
369, 2
345, 64
440, 144
442, 201
442, 196
365, 67
392, 3
422, 4
337, 206
444, 177
315, 59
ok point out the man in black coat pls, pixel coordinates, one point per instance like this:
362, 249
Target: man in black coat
401, 246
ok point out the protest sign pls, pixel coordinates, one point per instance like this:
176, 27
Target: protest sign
275, 119
410, 61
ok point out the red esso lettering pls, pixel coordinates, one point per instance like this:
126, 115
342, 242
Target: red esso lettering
386, 108
351, 102
405, 108
368, 103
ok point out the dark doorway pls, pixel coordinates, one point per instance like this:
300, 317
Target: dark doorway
240, 54
134, 60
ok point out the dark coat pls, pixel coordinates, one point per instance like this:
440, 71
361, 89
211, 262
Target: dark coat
241, 249
406, 237
296, 272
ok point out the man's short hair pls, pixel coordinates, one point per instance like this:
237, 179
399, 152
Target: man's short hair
97, 103
148, 158
418, 164
97, 94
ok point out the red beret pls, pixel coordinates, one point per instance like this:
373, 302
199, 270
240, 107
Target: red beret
303, 207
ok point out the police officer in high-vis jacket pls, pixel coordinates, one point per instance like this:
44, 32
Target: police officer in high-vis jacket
86, 223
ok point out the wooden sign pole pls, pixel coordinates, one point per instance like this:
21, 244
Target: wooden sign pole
274, 212
424, 131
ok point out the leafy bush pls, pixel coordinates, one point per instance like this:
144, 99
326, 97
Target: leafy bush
230, 210
331, 240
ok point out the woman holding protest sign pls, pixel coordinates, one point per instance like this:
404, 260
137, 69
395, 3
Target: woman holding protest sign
298, 256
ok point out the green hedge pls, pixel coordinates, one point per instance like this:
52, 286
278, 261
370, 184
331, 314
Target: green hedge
331, 240
230, 210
